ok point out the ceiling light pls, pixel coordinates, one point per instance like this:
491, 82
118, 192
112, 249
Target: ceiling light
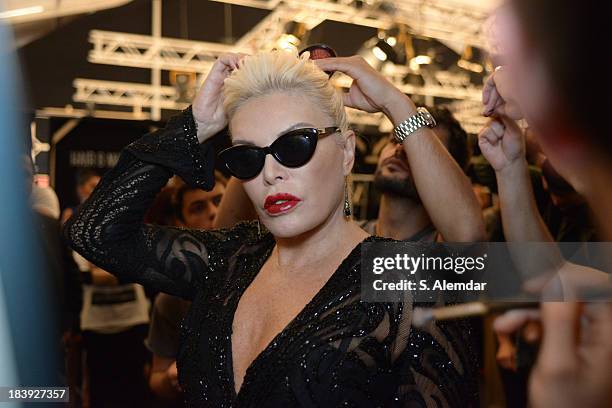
21, 12
470, 66
378, 53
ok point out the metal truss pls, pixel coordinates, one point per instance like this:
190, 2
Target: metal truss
143, 51
469, 114
137, 96
434, 18
439, 19
435, 89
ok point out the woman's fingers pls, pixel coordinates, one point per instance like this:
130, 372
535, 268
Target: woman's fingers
228, 62
352, 66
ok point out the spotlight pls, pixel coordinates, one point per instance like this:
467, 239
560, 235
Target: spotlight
471, 60
416, 62
295, 35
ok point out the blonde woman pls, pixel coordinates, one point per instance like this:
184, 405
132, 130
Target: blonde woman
277, 318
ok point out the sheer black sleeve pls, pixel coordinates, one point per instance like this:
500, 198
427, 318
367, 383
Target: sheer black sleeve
437, 364
108, 229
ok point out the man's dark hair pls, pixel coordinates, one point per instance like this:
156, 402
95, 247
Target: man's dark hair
457, 136
179, 197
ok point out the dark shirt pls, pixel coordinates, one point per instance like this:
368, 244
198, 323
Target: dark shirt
337, 351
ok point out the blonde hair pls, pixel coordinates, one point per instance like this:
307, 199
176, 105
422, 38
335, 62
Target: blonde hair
283, 71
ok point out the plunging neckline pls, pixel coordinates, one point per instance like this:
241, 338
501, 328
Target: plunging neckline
276, 339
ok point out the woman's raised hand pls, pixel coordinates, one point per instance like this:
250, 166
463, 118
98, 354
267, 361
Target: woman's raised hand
208, 111
502, 143
370, 90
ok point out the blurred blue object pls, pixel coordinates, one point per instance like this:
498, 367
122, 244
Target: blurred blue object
28, 335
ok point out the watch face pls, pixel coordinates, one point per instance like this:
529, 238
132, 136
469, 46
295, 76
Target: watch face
431, 121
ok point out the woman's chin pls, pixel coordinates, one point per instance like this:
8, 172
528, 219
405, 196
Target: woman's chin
286, 226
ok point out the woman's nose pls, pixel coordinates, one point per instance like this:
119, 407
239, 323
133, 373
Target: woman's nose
273, 171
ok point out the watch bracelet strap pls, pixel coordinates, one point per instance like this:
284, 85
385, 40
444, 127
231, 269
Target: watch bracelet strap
409, 126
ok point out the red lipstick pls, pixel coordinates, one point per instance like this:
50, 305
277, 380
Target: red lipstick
280, 203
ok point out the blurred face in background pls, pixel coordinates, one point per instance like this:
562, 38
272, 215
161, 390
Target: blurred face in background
393, 174
523, 80
200, 207
527, 81
84, 190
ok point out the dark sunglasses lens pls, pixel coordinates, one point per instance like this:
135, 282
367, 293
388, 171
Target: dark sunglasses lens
243, 162
296, 148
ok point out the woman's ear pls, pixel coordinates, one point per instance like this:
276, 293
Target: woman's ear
348, 150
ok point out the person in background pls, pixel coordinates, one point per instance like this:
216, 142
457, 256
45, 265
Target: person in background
114, 321
194, 208
568, 217
549, 86
402, 214
162, 210
65, 280
197, 208
86, 181
45, 201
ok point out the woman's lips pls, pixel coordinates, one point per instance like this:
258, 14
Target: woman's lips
280, 203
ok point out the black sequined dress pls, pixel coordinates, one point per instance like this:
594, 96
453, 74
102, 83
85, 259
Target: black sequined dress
338, 351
